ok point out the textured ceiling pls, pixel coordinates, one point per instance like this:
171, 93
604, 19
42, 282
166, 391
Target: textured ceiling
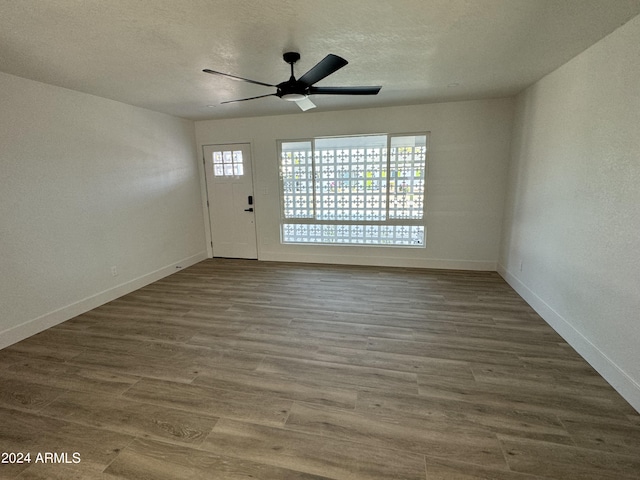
151, 53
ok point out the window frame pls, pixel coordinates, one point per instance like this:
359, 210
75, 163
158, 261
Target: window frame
391, 222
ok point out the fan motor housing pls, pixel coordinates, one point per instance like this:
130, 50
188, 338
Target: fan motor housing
291, 88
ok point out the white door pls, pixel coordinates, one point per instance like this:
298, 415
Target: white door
230, 196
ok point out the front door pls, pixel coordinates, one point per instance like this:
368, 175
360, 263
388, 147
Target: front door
230, 196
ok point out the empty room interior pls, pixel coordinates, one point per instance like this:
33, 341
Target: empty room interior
320, 240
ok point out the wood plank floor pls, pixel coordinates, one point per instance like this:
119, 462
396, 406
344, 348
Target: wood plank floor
238, 369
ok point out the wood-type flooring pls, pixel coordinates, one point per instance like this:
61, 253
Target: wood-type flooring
237, 369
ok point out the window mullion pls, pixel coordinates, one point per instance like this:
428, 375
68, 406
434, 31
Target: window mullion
314, 176
388, 196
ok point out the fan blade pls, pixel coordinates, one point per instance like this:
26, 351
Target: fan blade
325, 67
213, 72
305, 104
250, 98
344, 90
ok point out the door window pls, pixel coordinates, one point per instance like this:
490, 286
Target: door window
228, 163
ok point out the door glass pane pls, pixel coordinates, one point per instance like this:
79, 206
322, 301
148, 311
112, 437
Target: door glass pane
237, 163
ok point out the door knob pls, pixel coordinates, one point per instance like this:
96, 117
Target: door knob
248, 209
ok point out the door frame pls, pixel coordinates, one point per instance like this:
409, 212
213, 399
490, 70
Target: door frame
206, 202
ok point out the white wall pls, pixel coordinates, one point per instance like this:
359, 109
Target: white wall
467, 165
571, 244
86, 184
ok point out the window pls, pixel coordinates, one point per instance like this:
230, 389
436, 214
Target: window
354, 190
228, 163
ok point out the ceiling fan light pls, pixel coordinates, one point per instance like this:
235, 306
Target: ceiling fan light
293, 97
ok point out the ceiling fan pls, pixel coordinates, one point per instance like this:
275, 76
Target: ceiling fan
299, 90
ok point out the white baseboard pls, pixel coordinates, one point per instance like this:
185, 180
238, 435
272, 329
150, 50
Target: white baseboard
48, 320
380, 261
610, 371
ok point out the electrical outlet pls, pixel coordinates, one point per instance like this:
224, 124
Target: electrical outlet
521, 265
114, 271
